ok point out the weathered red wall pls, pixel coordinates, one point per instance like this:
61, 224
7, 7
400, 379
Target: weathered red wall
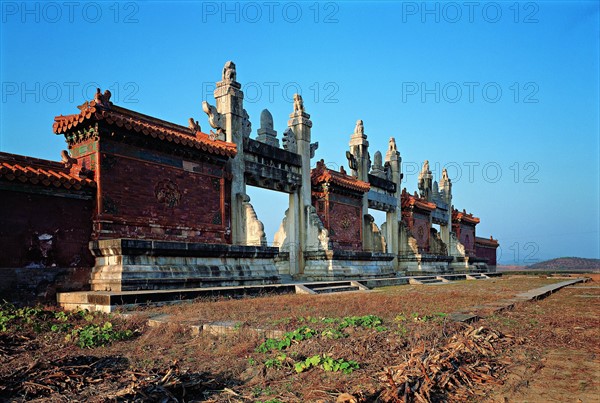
345, 223
143, 194
342, 216
68, 220
486, 252
467, 238
29, 286
421, 231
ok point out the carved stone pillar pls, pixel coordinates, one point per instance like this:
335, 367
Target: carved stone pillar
445, 188
393, 160
360, 162
234, 125
300, 125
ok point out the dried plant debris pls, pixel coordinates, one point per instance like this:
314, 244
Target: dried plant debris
452, 370
106, 379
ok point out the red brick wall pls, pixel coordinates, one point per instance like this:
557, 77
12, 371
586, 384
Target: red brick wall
486, 252
30, 286
342, 216
345, 224
24, 216
467, 238
421, 231
144, 194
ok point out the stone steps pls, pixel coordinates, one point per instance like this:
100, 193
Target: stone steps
334, 286
426, 280
477, 276
339, 288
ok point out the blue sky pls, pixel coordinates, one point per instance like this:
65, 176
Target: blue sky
505, 95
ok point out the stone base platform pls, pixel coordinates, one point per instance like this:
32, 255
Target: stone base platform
345, 265
425, 264
109, 301
470, 264
130, 265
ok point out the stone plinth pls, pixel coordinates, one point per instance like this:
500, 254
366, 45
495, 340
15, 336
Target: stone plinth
129, 265
425, 264
339, 264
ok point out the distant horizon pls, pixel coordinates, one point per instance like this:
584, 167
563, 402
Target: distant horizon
503, 95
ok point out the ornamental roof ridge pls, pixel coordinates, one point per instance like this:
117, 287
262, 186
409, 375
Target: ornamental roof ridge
323, 174
143, 124
464, 216
414, 200
36, 171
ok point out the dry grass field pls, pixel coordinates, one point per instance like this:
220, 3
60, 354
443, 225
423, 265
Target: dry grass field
392, 344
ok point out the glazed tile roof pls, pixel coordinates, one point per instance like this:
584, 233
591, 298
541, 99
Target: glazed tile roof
408, 200
96, 110
486, 241
322, 174
18, 168
464, 217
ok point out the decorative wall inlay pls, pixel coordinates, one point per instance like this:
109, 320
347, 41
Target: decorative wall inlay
167, 192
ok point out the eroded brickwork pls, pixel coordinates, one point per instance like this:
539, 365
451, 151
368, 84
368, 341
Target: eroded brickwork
148, 194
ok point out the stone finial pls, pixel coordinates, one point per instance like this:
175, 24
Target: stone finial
266, 134
446, 185
392, 145
289, 140
194, 126
435, 188
359, 129
229, 73
425, 181
215, 119
378, 159
377, 169
266, 120
298, 103
425, 168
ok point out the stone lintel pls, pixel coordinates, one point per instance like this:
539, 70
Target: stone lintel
271, 153
382, 201
382, 183
269, 177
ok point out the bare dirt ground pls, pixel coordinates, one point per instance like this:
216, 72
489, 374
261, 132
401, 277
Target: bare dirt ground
393, 344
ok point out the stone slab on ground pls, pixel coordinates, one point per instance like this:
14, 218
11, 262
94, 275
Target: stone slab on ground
463, 317
504, 304
542, 292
